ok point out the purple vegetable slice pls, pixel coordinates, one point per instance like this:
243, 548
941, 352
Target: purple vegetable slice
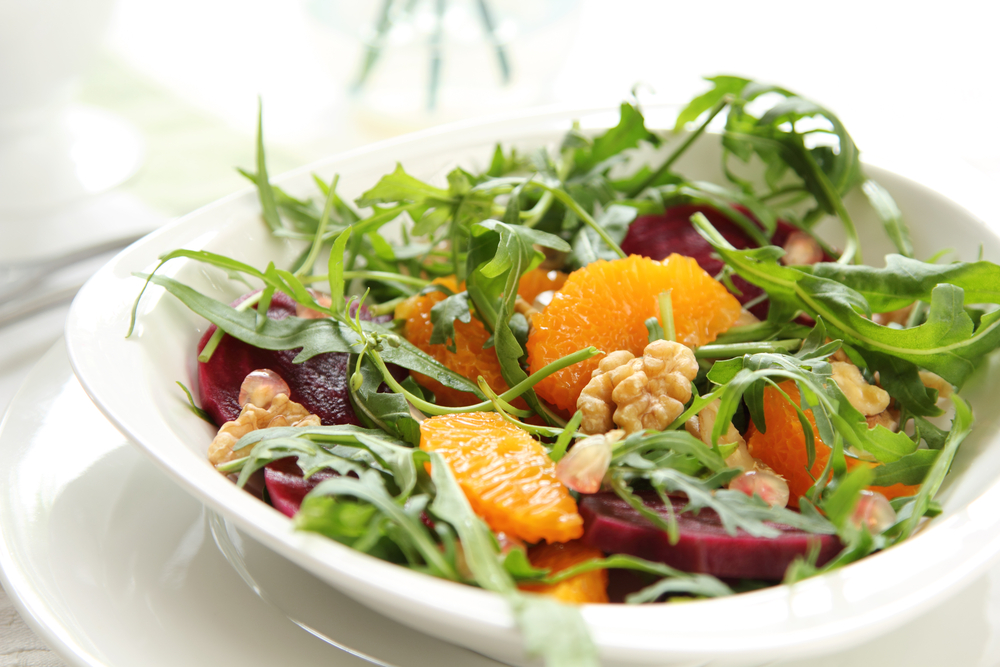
613, 526
319, 384
286, 485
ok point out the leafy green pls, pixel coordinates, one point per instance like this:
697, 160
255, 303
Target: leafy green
947, 343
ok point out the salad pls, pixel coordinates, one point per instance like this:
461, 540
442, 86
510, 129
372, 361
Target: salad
580, 376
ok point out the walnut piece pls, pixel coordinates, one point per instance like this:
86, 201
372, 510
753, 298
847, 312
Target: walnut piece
801, 249
645, 392
935, 381
281, 412
868, 399
701, 425
900, 317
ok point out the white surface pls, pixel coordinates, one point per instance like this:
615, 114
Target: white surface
132, 383
115, 566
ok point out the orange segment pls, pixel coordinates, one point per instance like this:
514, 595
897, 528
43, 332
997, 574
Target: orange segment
506, 474
469, 358
536, 281
587, 588
606, 304
783, 446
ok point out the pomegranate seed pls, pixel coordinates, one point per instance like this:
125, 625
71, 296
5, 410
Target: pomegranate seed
261, 386
874, 512
583, 468
771, 488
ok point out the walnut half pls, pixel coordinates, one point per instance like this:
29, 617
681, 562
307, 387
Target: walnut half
638, 393
281, 412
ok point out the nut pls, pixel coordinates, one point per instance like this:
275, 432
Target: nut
281, 412
888, 418
647, 392
935, 381
595, 399
900, 317
801, 249
701, 425
868, 399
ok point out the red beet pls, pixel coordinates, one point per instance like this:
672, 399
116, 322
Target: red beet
319, 384
657, 236
287, 487
612, 526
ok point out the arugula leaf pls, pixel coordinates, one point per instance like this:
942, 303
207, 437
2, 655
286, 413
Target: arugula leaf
192, 406
910, 469
313, 336
960, 428
946, 343
904, 280
264, 191
550, 629
630, 130
387, 411
370, 488
443, 316
890, 215
723, 85
588, 247
398, 187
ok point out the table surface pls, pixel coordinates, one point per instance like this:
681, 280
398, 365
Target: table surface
913, 84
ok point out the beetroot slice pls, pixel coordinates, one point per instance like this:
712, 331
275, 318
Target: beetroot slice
613, 526
287, 487
319, 384
657, 236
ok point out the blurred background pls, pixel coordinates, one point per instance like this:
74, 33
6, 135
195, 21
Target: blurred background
117, 116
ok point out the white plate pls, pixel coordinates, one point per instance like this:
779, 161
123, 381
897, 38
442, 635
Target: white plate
106, 586
132, 381
114, 565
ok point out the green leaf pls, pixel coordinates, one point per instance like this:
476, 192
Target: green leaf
443, 316
840, 504
387, 411
629, 131
481, 551
335, 271
514, 240
264, 191
946, 343
588, 247
910, 469
890, 215
313, 336
555, 632
370, 488
194, 408
961, 425
904, 280
400, 187
721, 86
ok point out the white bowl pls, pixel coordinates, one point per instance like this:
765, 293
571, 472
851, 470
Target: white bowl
133, 382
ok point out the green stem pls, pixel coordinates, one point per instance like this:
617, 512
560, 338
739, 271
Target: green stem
213, 342
665, 167
572, 205
324, 221
485, 406
667, 315
739, 349
373, 275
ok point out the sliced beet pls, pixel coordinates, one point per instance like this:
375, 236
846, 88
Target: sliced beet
657, 236
286, 485
319, 384
613, 526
